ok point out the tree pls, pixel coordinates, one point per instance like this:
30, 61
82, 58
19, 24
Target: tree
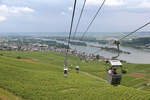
97, 57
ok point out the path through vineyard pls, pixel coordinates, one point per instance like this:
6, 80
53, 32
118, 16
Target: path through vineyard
86, 73
142, 87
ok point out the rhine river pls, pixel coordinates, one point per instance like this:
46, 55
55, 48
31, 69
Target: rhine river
138, 56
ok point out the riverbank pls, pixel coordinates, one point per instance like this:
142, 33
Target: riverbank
110, 49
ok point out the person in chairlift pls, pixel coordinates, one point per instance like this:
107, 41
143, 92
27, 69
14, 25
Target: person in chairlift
114, 71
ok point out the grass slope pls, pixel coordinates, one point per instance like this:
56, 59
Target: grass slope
5, 95
39, 76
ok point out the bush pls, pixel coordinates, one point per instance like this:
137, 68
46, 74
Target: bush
124, 71
18, 57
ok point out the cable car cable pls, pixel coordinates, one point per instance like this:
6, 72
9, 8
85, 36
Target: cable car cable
81, 13
72, 21
79, 19
135, 31
93, 20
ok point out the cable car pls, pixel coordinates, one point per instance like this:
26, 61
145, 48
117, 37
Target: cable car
77, 69
65, 71
113, 76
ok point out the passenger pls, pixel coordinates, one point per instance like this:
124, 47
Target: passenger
114, 71
110, 71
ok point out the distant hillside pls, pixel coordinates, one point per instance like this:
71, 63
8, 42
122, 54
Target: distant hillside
138, 42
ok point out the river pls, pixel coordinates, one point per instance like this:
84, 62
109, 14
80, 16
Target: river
138, 56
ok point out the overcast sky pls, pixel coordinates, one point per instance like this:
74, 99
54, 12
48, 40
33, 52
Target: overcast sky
55, 15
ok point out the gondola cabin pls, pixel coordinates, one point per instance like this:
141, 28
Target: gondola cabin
113, 75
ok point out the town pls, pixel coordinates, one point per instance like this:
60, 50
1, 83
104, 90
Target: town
37, 44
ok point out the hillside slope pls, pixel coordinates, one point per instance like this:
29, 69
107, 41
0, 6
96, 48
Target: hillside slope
39, 76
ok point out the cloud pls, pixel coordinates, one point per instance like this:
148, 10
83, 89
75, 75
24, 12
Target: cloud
2, 18
6, 10
70, 8
127, 3
115, 2
94, 2
144, 4
21, 10
63, 13
108, 2
66, 12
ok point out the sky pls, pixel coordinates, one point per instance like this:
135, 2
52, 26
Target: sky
55, 15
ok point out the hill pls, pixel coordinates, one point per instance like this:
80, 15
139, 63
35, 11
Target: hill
39, 76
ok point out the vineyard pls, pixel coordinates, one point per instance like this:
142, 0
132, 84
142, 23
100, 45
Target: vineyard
39, 76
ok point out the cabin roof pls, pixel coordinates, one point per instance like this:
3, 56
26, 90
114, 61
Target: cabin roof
115, 63
65, 68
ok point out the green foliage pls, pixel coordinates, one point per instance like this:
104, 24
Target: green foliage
54, 43
18, 57
142, 41
114, 50
97, 57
